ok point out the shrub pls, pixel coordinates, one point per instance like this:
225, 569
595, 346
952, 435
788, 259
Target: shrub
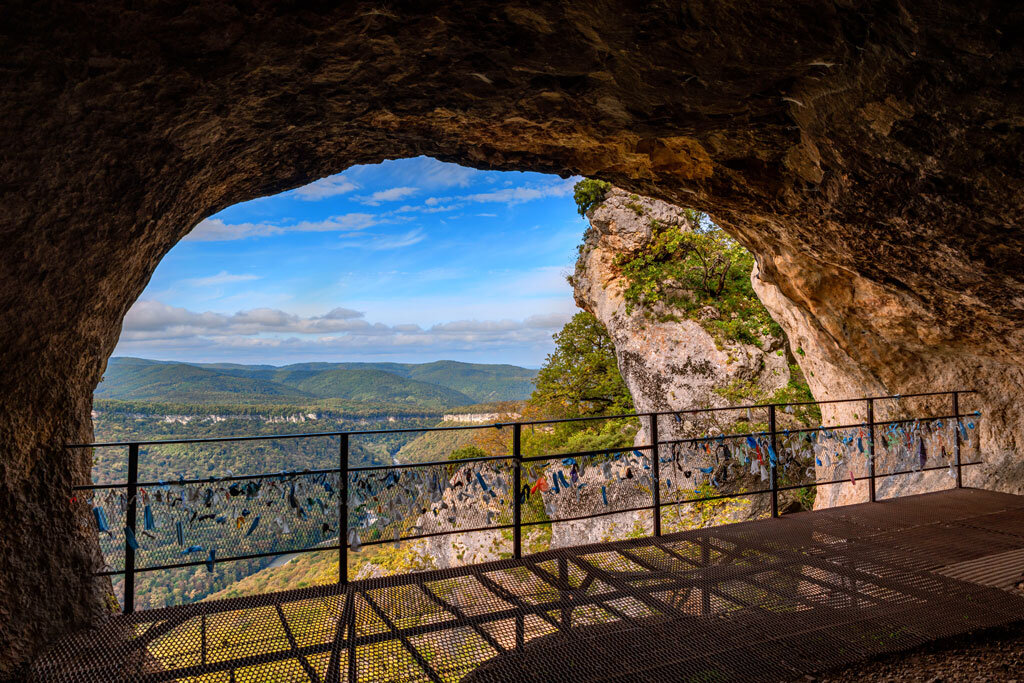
588, 193
711, 266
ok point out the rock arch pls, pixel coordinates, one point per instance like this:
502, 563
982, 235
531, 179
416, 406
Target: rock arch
868, 152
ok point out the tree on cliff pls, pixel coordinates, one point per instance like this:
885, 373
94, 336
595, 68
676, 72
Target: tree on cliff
588, 193
581, 376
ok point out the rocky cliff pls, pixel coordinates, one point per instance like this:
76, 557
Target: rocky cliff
671, 360
668, 360
833, 373
670, 354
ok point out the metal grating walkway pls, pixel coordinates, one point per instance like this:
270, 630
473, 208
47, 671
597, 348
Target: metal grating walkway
763, 600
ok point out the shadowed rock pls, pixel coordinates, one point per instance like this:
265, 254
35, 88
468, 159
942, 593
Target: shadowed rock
868, 153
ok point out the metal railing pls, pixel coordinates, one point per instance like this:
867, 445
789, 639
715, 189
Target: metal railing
133, 488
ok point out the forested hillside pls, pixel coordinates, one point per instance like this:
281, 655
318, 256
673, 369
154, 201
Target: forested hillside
141, 399
436, 385
579, 379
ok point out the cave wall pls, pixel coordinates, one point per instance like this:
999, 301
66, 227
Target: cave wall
868, 152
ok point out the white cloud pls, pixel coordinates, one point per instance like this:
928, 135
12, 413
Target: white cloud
221, 278
383, 242
216, 230
423, 172
152, 325
156, 320
518, 195
509, 196
325, 187
390, 195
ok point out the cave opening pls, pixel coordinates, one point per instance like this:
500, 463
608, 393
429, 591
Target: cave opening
863, 153
379, 297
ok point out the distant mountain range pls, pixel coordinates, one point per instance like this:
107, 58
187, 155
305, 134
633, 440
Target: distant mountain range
439, 384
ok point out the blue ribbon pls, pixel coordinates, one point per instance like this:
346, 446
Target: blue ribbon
101, 519
129, 536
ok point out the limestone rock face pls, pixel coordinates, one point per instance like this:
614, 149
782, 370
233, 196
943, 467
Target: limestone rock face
668, 364
839, 365
867, 152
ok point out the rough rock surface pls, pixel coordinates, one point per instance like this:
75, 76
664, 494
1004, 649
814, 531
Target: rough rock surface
832, 373
868, 152
667, 363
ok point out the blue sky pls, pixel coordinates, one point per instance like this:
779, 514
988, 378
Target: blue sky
409, 260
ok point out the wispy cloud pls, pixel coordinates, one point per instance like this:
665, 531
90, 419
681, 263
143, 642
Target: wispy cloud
392, 194
216, 230
383, 242
509, 196
157, 320
422, 172
325, 187
221, 278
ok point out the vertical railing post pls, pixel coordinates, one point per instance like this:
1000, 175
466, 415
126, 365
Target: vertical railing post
129, 520
956, 447
343, 510
655, 476
517, 505
775, 463
871, 450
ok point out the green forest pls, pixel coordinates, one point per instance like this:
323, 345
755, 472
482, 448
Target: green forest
436, 386
150, 400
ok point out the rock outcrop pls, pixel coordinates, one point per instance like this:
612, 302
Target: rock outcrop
868, 152
668, 362
819, 342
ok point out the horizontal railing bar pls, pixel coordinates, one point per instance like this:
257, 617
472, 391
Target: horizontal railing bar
434, 463
690, 411
718, 497
493, 458
785, 432
598, 514
264, 437
877, 476
500, 425
233, 558
877, 423
586, 454
209, 480
382, 541
278, 553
